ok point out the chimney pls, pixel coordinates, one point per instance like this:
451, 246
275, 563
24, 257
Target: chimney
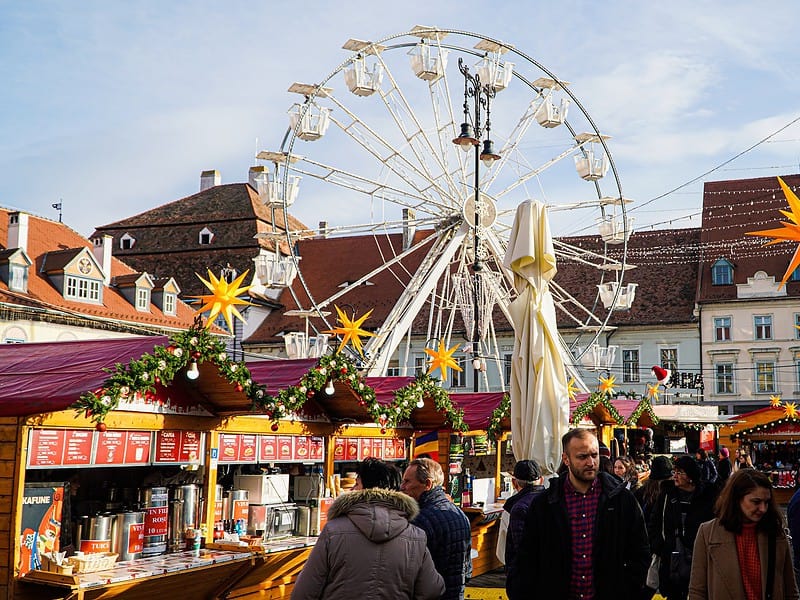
102, 253
323, 229
408, 229
256, 176
18, 230
209, 179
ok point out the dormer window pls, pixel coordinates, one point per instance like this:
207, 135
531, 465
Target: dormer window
142, 299
722, 273
169, 304
14, 267
126, 242
82, 289
205, 237
18, 281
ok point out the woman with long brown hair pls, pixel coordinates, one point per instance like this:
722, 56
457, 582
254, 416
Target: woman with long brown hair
743, 553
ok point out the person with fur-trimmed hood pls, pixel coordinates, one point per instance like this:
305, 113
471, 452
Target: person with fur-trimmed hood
368, 549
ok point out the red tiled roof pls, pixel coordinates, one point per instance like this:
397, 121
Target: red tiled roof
732, 208
46, 237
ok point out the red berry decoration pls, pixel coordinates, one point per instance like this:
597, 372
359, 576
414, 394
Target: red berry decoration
157, 380
274, 427
238, 387
310, 394
101, 426
383, 431
171, 349
197, 354
343, 370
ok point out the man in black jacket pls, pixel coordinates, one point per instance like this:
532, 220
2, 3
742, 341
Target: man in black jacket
584, 537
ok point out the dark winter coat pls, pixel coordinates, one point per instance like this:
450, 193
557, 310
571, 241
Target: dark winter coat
449, 540
666, 517
368, 550
517, 507
621, 554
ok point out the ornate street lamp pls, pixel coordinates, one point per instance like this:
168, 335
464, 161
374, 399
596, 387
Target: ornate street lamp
472, 131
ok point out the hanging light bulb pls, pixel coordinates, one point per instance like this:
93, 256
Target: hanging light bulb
193, 372
421, 402
329, 389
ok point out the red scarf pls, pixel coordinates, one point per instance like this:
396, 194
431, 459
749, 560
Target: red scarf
749, 562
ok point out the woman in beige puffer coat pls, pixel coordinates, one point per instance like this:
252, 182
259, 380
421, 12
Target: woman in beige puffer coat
368, 550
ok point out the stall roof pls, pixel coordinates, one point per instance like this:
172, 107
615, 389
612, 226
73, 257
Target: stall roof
45, 377
692, 413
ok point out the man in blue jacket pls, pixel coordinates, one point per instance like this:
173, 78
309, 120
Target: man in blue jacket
584, 537
447, 527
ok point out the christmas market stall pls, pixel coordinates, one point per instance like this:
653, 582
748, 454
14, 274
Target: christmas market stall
770, 438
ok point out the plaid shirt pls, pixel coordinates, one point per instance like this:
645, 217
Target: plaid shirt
581, 512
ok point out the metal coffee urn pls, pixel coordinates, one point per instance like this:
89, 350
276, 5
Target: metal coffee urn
94, 533
184, 507
128, 535
155, 502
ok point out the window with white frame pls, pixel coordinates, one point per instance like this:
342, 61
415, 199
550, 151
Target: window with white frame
669, 359
765, 377
393, 369
77, 288
205, 237
18, 278
169, 304
458, 379
420, 366
507, 368
762, 326
722, 329
630, 365
142, 299
723, 378
126, 242
722, 272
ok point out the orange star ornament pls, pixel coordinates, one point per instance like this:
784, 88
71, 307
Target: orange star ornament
775, 401
652, 391
789, 232
223, 298
790, 410
607, 384
350, 330
442, 359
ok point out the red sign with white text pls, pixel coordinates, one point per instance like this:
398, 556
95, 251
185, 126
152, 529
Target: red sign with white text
178, 446
47, 447
248, 444
228, 447
269, 448
137, 448
111, 447
78, 447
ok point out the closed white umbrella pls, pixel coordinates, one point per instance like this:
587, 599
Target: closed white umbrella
539, 396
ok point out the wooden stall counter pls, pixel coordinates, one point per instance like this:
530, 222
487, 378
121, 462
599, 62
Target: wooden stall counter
485, 525
219, 571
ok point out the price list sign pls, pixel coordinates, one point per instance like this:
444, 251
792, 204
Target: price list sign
178, 446
228, 447
111, 448
78, 447
46, 448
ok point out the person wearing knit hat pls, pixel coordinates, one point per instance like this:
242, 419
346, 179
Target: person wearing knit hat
661, 469
724, 466
684, 504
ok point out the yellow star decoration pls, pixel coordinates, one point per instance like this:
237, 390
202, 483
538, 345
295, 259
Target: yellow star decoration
652, 391
572, 388
607, 384
442, 359
223, 298
788, 232
790, 410
350, 330
775, 401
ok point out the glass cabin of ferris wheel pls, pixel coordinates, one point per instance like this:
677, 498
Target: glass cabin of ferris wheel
385, 140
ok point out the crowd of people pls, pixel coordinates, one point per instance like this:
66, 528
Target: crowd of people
697, 528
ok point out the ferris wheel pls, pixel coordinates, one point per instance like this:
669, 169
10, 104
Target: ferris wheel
377, 147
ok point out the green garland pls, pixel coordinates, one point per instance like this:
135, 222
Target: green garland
141, 376
595, 398
643, 406
502, 411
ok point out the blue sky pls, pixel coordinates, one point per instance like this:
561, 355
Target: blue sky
114, 108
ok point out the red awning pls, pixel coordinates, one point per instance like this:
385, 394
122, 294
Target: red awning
46, 377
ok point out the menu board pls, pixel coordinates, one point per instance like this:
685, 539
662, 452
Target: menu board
365, 448
285, 447
228, 447
316, 448
377, 448
173, 446
269, 448
78, 447
123, 448
248, 445
46, 448
338, 449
